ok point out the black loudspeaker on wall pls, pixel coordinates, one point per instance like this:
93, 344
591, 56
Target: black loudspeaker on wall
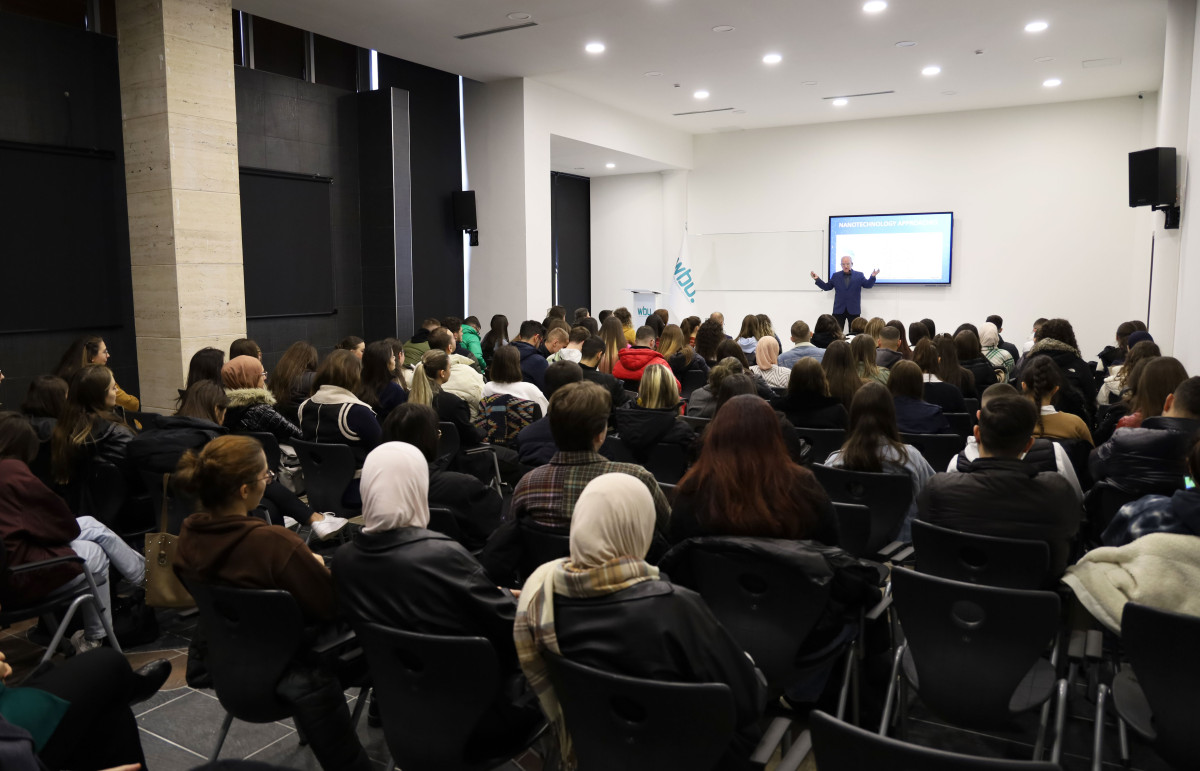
464, 214
1152, 177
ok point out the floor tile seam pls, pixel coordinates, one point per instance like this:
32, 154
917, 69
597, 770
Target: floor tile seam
165, 703
173, 743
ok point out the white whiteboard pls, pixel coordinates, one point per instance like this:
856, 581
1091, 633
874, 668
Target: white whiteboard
757, 262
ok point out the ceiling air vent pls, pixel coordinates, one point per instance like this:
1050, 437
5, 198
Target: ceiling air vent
852, 96
496, 31
703, 112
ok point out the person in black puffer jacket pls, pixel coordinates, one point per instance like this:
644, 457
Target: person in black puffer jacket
1150, 459
971, 358
251, 405
655, 417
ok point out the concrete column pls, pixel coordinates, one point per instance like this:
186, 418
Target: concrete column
1173, 109
181, 177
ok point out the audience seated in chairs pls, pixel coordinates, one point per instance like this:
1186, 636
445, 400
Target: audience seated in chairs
680, 355
535, 443
292, 378
743, 385
1117, 385
206, 364
703, 403
653, 629
802, 346
464, 380
841, 372
1055, 339
86, 351
914, 415
807, 402
888, 352
863, 351
399, 574
766, 363
745, 483
506, 378
573, 349
533, 364
77, 714
251, 405
35, 524
475, 506
709, 335
873, 444
591, 354
244, 346
220, 544
1153, 381
379, 388
496, 336
1000, 359
950, 371
1042, 382
971, 358
45, 402
333, 414
945, 395
654, 419
729, 348
633, 361
418, 344
1176, 513
999, 493
1045, 455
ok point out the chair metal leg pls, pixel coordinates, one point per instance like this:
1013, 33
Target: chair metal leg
1060, 719
847, 676
221, 737
893, 684
855, 687
360, 706
772, 738
798, 752
1098, 729
1123, 741
62, 625
108, 630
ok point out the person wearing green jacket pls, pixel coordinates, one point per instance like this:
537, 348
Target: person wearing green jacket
470, 339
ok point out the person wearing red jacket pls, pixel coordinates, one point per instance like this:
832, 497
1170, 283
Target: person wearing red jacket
632, 362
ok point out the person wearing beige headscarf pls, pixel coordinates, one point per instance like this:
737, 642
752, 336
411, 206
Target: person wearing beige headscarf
653, 629
399, 573
766, 363
989, 340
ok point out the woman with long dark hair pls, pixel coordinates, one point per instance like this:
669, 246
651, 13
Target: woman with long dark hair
89, 427
497, 335
826, 331
950, 371
807, 403
904, 349
292, 378
944, 395
747, 336
91, 349
379, 387
841, 372
971, 358
744, 483
873, 444
1158, 379
709, 335
1042, 382
613, 335
862, 350
914, 415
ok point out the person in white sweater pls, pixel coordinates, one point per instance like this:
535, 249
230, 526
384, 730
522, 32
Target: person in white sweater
505, 371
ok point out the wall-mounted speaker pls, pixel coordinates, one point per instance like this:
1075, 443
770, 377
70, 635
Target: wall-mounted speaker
464, 211
1152, 177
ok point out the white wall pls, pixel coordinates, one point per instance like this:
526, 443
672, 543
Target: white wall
627, 237
1187, 319
1042, 225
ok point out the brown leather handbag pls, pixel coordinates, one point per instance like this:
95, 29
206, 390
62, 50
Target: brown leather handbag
163, 587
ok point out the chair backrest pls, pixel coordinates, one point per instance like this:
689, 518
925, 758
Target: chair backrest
692, 379
938, 449
252, 636
328, 471
179, 505
823, 440
503, 416
697, 423
432, 690
971, 645
854, 527
961, 423
1162, 647
628, 723
541, 544
448, 441
614, 449
1014, 563
769, 606
888, 496
101, 490
270, 446
971, 406
839, 746
441, 520
667, 462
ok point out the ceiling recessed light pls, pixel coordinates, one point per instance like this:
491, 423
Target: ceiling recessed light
652, 74
874, 6
701, 94
905, 44
840, 102
1036, 26
1044, 59
723, 28
1052, 82
519, 16
772, 59
610, 165
932, 69
808, 83
594, 48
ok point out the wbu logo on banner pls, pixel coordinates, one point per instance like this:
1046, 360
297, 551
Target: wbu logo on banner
683, 279
681, 291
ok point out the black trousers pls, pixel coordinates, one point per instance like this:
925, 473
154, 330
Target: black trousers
98, 730
843, 318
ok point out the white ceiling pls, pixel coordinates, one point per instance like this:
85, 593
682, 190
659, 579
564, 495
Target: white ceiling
831, 42
586, 160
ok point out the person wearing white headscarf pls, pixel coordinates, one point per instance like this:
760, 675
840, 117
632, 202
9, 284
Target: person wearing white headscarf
400, 574
652, 629
989, 341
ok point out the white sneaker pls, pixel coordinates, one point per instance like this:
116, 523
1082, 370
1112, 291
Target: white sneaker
84, 644
290, 523
328, 526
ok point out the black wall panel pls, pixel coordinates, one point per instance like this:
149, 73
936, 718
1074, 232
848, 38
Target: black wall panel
571, 240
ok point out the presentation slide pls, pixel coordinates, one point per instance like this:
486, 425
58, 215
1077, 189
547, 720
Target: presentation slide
906, 248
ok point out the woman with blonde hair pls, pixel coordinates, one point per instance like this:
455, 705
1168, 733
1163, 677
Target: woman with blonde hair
766, 363
613, 335
674, 347
427, 381
655, 418
653, 629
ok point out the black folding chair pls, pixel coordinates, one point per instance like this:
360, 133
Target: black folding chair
1156, 693
1014, 563
823, 440
328, 470
541, 544
253, 635
974, 654
667, 462
269, 443
887, 496
839, 746
432, 691
441, 520
937, 449
961, 423
633, 724
692, 379
697, 423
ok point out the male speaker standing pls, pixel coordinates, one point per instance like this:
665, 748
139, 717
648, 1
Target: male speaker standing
847, 289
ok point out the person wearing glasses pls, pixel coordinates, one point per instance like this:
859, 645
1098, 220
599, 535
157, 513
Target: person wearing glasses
220, 544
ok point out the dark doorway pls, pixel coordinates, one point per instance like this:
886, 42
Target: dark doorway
571, 240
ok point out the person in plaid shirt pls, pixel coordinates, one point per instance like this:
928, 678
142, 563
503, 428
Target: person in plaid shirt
579, 422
